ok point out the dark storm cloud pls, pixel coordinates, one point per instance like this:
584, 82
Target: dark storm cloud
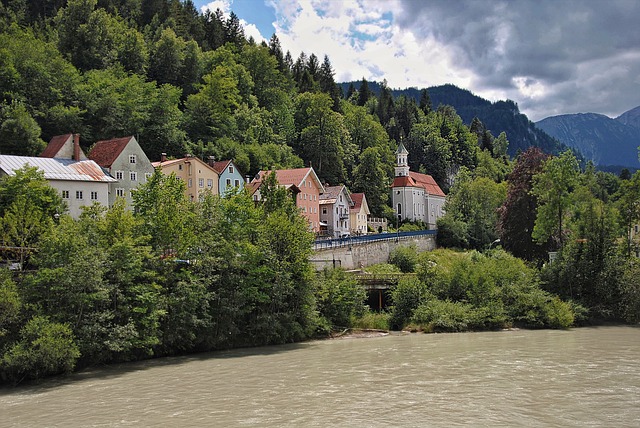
585, 54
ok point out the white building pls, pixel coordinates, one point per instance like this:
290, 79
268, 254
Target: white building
335, 206
80, 183
415, 196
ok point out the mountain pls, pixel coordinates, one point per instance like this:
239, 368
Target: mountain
499, 116
631, 118
599, 138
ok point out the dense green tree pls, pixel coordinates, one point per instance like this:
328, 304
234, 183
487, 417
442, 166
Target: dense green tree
19, 132
121, 104
553, 187
475, 202
323, 140
165, 214
518, 213
370, 178
95, 39
629, 207
364, 93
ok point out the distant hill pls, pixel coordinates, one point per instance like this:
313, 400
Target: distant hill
497, 117
630, 118
601, 139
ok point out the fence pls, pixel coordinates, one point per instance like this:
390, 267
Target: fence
325, 244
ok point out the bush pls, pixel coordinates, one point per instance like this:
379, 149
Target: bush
373, 320
444, 316
452, 233
339, 297
405, 258
406, 297
45, 348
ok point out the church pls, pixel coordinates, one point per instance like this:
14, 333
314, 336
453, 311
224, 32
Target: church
415, 196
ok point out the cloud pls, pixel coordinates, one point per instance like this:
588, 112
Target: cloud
226, 6
551, 57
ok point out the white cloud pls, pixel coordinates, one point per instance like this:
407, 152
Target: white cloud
361, 40
223, 5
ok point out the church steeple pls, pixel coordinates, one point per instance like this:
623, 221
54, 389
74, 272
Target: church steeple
402, 165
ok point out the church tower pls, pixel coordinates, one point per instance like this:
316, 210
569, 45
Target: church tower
402, 165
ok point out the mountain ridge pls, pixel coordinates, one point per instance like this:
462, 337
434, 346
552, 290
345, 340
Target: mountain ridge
601, 139
497, 117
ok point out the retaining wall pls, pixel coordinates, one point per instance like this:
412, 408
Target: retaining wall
363, 254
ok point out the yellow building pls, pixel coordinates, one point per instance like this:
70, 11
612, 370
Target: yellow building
358, 214
197, 174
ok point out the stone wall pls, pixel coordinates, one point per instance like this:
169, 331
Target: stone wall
369, 253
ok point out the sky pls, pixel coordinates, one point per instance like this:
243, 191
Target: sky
551, 57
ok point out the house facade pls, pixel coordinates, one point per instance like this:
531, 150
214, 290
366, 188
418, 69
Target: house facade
80, 183
415, 196
64, 147
335, 206
359, 214
125, 160
230, 176
309, 190
198, 175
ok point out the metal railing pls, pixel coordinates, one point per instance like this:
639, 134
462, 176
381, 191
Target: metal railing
325, 244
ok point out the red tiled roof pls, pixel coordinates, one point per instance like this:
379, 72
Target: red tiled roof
105, 152
293, 176
427, 181
416, 179
55, 145
220, 166
357, 200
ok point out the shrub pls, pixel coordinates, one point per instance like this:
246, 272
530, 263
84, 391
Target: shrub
405, 258
45, 348
373, 320
452, 233
406, 297
445, 316
339, 297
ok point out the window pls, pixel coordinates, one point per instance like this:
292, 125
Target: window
324, 211
120, 192
133, 176
209, 183
230, 170
399, 209
78, 194
304, 196
201, 182
179, 167
65, 194
132, 158
147, 176
236, 183
190, 184
119, 175
228, 182
340, 198
94, 196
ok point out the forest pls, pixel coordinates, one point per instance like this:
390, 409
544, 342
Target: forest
532, 240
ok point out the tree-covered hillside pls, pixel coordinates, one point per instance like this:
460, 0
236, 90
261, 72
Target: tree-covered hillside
500, 116
185, 82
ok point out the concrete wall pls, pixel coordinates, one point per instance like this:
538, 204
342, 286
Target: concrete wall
369, 253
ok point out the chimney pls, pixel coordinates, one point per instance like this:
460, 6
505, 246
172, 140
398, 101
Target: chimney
248, 178
76, 147
163, 157
211, 160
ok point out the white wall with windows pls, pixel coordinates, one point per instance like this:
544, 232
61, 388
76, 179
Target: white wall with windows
77, 194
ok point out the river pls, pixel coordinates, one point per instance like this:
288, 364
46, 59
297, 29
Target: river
521, 378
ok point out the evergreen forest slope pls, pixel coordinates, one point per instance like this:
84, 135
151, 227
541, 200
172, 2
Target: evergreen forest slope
497, 117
